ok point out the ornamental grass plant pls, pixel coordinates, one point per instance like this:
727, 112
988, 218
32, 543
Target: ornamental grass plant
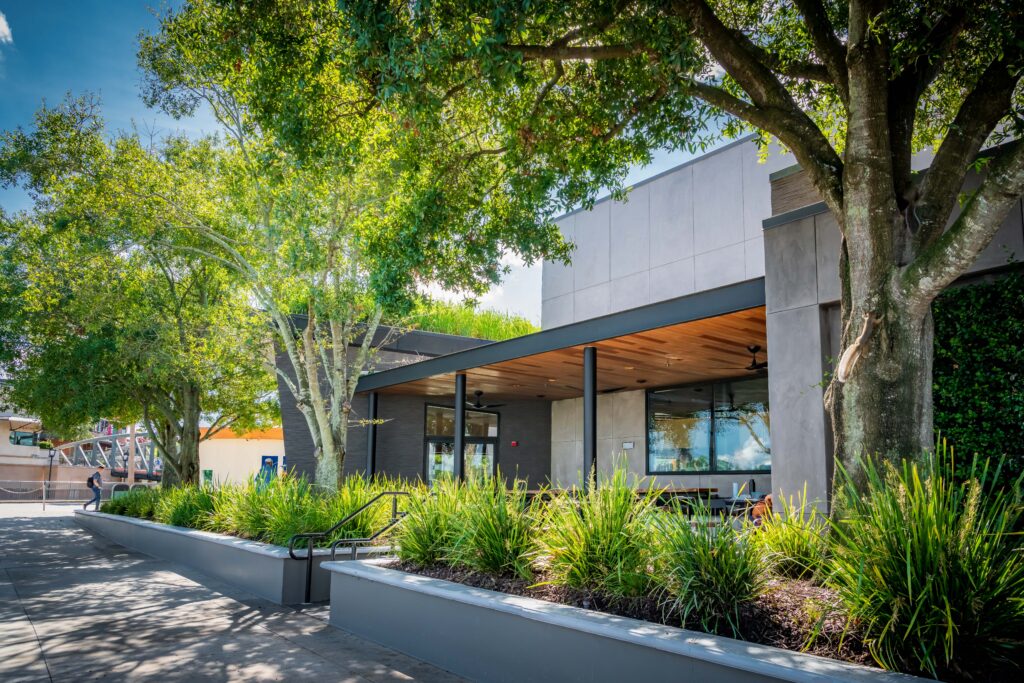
794, 539
929, 567
427, 533
140, 503
709, 569
600, 540
186, 506
495, 532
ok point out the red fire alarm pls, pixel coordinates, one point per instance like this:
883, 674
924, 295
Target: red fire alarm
514, 444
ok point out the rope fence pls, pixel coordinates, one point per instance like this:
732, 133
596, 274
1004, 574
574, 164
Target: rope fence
55, 491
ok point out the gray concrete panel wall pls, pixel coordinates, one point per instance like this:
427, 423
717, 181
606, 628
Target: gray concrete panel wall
802, 293
693, 228
488, 636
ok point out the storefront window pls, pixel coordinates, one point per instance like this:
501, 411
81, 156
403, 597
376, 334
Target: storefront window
720, 427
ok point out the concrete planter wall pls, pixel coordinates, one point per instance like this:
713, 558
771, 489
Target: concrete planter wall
489, 636
260, 568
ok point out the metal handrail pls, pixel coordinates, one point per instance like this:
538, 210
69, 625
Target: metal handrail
312, 536
355, 543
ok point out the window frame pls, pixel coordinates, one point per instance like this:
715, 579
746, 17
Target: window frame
712, 450
35, 438
428, 439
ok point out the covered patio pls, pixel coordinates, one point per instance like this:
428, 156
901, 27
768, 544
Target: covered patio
583, 397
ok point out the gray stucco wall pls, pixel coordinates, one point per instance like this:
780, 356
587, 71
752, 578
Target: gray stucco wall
802, 293
690, 229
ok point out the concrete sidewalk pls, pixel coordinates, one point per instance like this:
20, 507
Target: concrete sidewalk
74, 607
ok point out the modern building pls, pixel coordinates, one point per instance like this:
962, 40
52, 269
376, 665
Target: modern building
688, 341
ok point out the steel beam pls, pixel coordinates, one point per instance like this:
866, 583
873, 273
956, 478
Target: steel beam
460, 424
589, 414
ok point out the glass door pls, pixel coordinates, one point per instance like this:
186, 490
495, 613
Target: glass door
479, 460
480, 455
440, 459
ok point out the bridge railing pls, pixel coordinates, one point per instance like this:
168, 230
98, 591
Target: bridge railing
112, 451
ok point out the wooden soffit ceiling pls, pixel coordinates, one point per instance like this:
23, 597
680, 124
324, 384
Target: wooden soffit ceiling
700, 350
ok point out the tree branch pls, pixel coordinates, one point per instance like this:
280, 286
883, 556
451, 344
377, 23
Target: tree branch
823, 165
979, 114
575, 53
805, 70
829, 48
790, 124
907, 88
943, 261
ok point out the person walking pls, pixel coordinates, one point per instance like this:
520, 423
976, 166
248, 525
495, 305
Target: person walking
95, 483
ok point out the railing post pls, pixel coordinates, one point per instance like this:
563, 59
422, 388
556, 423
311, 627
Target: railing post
309, 570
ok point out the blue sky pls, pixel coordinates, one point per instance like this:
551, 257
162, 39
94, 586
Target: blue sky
49, 48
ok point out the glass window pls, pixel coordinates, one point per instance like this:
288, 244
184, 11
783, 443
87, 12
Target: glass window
719, 427
741, 426
440, 421
24, 438
678, 426
479, 458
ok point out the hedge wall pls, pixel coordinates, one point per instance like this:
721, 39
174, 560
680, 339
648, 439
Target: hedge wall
979, 369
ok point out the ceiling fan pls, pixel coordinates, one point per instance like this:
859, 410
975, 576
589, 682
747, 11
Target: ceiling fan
478, 404
755, 364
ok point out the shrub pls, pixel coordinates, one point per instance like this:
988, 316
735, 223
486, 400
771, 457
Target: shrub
292, 506
114, 506
710, 571
496, 526
794, 542
979, 350
239, 510
427, 533
354, 493
601, 540
187, 506
929, 568
140, 503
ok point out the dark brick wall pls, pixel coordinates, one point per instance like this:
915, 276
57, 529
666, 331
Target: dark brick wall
401, 450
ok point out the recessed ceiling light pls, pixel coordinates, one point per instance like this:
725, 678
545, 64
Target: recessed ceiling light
629, 367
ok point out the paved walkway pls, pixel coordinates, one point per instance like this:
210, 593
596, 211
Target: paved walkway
75, 607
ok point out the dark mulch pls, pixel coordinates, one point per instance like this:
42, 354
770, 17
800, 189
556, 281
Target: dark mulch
786, 616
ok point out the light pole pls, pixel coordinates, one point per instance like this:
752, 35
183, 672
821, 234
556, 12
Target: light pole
49, 473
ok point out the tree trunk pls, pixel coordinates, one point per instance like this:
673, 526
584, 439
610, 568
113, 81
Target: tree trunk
188, 446
883, 411
330, 467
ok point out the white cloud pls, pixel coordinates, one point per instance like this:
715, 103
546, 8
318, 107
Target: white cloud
6, 37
